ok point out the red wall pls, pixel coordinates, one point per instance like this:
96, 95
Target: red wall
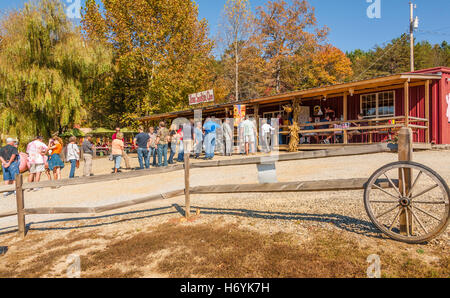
444, 93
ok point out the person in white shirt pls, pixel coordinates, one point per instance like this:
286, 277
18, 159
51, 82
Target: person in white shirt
228, 136
249, 133
36, 151
73, 156
267, 131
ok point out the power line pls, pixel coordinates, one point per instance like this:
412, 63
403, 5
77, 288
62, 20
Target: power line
384, 54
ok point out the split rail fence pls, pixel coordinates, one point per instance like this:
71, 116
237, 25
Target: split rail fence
306, 186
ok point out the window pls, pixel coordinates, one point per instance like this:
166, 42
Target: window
378, 105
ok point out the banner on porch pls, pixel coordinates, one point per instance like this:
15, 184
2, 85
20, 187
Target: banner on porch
201, 97
239, 114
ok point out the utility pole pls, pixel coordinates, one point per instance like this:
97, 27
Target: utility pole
413, 24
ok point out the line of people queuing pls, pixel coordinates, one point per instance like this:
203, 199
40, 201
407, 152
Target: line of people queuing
45, 158
194, 137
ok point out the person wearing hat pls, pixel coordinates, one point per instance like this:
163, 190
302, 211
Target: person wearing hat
9, 157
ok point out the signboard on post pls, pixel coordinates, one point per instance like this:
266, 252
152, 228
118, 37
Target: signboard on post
201, 97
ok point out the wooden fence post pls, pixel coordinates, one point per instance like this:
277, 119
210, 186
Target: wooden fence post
405, 153
20, 206
186, 185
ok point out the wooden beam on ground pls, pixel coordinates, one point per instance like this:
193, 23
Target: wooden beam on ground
307, 186
101, 209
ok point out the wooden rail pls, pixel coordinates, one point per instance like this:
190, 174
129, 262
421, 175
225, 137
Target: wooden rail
353, 150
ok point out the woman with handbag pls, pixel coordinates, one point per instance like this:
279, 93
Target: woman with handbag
73, 156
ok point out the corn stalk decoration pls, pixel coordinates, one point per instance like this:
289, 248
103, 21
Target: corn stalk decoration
294, 129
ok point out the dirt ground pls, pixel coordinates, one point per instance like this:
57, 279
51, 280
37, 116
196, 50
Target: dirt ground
320, 234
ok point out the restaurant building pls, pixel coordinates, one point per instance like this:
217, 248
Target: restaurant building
419, 100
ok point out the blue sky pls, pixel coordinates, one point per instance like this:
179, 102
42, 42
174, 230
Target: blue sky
350, 27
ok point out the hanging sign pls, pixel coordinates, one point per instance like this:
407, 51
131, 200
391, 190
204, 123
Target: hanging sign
201, 97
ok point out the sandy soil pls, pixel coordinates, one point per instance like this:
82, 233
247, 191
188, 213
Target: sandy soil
294, 213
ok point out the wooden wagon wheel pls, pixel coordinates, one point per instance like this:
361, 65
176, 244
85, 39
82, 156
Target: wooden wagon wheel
413, 212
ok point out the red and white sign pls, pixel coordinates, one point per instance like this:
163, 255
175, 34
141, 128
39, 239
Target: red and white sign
201, 97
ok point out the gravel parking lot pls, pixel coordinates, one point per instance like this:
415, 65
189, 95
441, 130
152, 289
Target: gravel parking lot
298, 214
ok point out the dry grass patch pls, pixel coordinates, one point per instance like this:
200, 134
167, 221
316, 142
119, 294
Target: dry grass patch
224, 250
228, 251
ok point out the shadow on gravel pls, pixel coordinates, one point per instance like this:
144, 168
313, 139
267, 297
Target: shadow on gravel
29, 227
346, 223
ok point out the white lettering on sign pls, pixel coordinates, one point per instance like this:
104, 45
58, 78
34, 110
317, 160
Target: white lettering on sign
201, 97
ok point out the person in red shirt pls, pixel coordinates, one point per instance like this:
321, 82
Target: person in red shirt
114, 136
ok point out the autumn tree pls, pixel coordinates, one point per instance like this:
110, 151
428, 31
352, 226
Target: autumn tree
47, 71
282, 30
161, 54
236, 34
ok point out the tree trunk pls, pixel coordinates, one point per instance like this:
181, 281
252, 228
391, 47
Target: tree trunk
278, 79
237, 71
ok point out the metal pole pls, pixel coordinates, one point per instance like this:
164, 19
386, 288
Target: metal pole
411, 33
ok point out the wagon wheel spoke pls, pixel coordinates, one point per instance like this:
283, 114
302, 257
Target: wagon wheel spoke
418, 220
403, 183
379, 188
411, 191
384, 202
390, 210
407, 222
393, 185
427, 213
425, 191
395, 219
431, 203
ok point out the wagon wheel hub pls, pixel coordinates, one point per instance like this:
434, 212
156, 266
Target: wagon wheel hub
405, 202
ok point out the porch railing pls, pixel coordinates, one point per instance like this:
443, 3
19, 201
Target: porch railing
365, 127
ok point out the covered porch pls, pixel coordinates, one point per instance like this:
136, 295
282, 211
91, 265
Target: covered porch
363, 112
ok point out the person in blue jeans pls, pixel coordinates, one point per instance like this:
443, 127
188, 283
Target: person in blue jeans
10, 160
142, 142
73, 155
162, 141
152, 145
173, 142
210, 137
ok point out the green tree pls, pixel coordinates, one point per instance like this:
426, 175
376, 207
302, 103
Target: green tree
394, 57
47, 71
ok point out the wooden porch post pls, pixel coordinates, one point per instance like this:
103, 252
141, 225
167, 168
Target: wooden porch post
427, 111
406, 99
345, 116
256, 112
